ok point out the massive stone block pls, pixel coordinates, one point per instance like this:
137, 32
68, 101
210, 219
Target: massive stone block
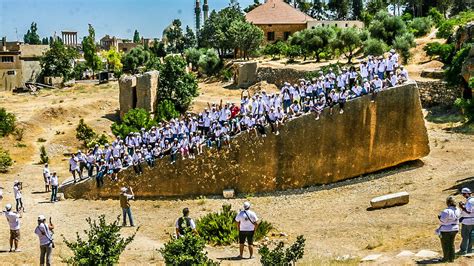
127, 87
245, 74
147, 87
368, 137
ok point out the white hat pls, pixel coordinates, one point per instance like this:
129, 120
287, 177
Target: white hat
41, 218
466, 191
246, 205
123, 189
8, 207
16, 182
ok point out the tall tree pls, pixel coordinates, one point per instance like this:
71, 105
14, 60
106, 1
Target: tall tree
246, 37
313, 40
158, 48
32, 37
190, 40
374, 6
461, 5
89, 47
136, 37
444, 5
251, 7
318, 9
58, 61
175, 37
347, 41
357, 8
113, 58
340, 8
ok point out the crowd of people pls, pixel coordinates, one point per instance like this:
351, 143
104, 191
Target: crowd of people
219, 123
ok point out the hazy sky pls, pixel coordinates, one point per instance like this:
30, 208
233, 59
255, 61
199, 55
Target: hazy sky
113, 17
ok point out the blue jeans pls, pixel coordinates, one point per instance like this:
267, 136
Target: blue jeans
466, 243
127, 211
54, 192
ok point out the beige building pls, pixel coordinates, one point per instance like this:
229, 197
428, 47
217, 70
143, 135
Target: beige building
336, 23
107, 42
19, 63
278, 20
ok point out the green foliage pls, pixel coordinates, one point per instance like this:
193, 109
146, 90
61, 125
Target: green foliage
136, 37
136, 60
374, 47
347, 41
7, 122
78, 71
103, 245
274, 49
374, 6
313, 41
186, 250
192, 56
467, 106
340, 8
209, 62
446, 27
453, 72
175, 84
5, 160
84, 132
421, 26
190, 40
43, 155
386, 27
98, 140
292, 51
245, 37
226, 74
175, 37
435, 16
32, 37
158, 49
219, 228
133, 121
57, 61
165, 111
89, 47
283, 257
114, 60
402, 44
445, 52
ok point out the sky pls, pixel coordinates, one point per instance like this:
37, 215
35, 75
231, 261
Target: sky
117, 18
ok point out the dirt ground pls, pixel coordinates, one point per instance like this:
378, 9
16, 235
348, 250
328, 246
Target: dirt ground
334, 219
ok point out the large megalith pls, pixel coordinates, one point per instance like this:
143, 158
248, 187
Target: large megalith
138, 91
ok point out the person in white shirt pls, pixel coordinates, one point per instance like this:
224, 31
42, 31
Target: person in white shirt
13, 219
74, 167
247, 222
54, 187
17, 186
45, 236
467, 221
185, 224
449, 227
46, 176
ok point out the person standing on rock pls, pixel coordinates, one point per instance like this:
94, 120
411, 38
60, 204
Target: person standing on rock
467, 221
54, 187
125, 205
45, 235
46, 176
449, 220
247, 222
13, 219
74, 167
185, 224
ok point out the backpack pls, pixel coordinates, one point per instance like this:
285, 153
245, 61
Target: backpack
184, 225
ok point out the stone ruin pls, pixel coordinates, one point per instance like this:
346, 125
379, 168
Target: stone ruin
245, 74
138, 91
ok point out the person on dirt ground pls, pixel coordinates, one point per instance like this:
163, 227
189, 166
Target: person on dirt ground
54, 187
45, 234
47, 178
467, 221
17, 187
449, 220
247, 223
13, 219
125, 205
185, 224
74, 167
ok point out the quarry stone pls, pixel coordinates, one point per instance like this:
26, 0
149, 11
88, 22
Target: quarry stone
61, 197
372, 257
127, 85
405, 253
147, 87
245, 74
368, 137
228, 193
426, 254
390, 200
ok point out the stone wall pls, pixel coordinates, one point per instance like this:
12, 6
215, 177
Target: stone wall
279, 76
368, 137
437, 92
138, 91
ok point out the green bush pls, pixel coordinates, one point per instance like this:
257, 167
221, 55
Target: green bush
186, 250
7, 122
84, 133
421, 26
274, 49
453, 72
209, 63
445, 52
446, 27
467, 106
103, 245
98, 140
374, 47
402, 44
133, 121
226, 74
5, 160
283, 257
79, 70
292, 51
165, 111
386, 27
435, 16
219, 228
43, 155
192, 56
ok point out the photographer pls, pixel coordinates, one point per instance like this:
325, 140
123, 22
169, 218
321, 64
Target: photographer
467, 221
14, 223
45, 235
17, 187
247, 222
125, 205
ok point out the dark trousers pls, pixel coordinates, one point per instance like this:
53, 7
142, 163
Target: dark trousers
19, 204
447, 243
100, 178
466, 243
138, 168
54, 192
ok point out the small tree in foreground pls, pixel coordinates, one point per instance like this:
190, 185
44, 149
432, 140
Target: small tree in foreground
5, 160
43, 155
133, 121
186, 250
283, 257
103, 245
7, 122
84, 132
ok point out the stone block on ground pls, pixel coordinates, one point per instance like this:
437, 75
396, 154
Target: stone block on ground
245, 74
228, 193
406, 253
61, 196
372, 257
127, 85
390, 200
147, 87
427, 254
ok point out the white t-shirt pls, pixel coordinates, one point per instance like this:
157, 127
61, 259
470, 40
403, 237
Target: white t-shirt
54, 180
44, 234
245, 223
13, 220
46, 172
16, 192
468, 217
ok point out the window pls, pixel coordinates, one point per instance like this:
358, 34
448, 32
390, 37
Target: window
286, 35
270, 36
347, 25
7, 59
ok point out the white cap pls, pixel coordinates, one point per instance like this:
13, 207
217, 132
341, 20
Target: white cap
16, 182
123, 189
246, 205
41, 218
466, 191
8, 207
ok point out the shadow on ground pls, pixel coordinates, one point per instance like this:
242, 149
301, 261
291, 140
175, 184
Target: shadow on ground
462, 183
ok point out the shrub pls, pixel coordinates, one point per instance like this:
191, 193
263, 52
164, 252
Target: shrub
186, 250
192, 56
445, 29
274, 49
292, 51
445, 52
103, 245
5, 160
133, 121
78, 71
453, 75
84, 133
219, 227
435, 16
99, 140
281, 257
136, 60
374, 47
403, 44
227, 74
386, 27
421, 26
7, 122
43, 155
19, 132
165, 111
209, 62
467, 106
